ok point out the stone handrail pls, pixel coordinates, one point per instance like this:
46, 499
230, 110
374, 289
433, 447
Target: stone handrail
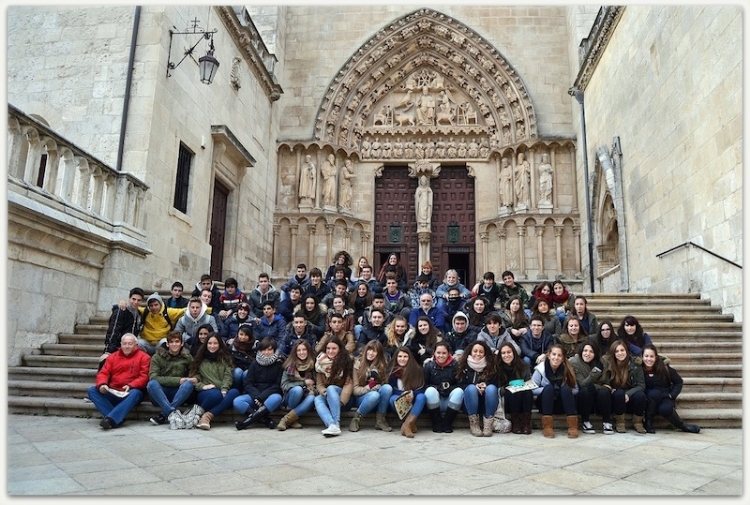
50, 170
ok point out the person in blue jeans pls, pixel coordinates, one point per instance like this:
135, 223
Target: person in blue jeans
120, 384
262, 386
169, 385
477, 376
443, 395
212, 367
298, 384
371, 388
405, 375
333, 380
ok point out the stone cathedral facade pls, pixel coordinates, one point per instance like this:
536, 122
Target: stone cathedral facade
447, 133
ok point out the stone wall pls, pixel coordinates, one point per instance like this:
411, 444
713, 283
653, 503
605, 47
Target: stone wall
669, 85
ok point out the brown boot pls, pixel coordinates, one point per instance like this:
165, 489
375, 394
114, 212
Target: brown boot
516, 425
406, 426
205, 421
381, 423
487, 426
474, 428
414, 428
526, 423
620, 423
638, 424
287, 420
572, 426
547, 430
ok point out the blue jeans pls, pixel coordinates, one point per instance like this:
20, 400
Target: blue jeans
212, 401
295, 400
417, 406
238, 378
169, 399
472, 397
113, 407
328, 407
371, 400
454, 400
148, 347
244, 404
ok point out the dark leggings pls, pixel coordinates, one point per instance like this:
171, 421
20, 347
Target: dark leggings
518, 403
591, 400
549, 402
636, 404
664, 405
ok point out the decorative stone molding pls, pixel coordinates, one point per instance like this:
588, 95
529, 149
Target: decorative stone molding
242, 30
595, 44
428, 81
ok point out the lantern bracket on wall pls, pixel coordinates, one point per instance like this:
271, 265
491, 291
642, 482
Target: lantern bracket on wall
208, 64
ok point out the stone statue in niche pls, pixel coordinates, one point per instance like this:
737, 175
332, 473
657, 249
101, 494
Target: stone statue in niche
398, 148
328, 172
386, 151
345, 189
452, 151
545, 180
484, 148
423, 203
375, 149
425, 108
365, 148
462, 148
473, 151
307, 182
523, 175
506, 183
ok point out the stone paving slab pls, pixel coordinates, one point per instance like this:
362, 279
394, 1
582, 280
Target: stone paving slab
51, 456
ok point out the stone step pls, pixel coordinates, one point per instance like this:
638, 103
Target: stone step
712, 384
682, 360
641, 297
96, 339
77, 407
732, 370
708, 345
92, 328
40, 360
70, 350
52, 374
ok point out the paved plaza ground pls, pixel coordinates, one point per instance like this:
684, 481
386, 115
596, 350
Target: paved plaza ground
52, 456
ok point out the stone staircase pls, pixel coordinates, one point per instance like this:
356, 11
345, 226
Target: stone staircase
704, 346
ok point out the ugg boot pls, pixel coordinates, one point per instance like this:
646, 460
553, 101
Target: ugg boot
205, 421
638, 424
406, 426
678, 423
547, 429
619, 423
354, 424
526, 423
413, 425
474, 428
572, 426
287, 420
450, 416
381, 423
516, 425
255, 416
487, 426
436, 419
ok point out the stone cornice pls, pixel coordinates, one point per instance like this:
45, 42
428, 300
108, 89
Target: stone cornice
604, 25
242, 30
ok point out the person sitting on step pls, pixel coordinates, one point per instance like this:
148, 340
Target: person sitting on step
262, 387
169, 384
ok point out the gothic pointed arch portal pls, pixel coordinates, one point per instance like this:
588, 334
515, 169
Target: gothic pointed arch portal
426, 86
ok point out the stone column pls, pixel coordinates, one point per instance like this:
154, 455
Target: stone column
294, 230
575, 180
81, 196
533, 203
276, 232
424, 245
502, 237
577, 248
329, 240
311, 234
485, 237
522, 251
558, 247
365, 243
347, 238
540, 251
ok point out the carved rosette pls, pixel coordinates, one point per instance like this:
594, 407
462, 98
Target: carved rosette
426, 87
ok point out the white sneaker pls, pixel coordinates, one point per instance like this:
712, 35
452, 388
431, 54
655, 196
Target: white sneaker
588, 428
608, 429
333, 430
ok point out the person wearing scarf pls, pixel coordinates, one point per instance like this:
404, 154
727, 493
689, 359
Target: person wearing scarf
212, 367
442, 394
477, 375
517, 405
298, 384
334, 382
405, 375
561, 299
262, 387
556, 389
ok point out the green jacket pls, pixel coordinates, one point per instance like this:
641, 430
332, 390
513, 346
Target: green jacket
216, 372
167, 370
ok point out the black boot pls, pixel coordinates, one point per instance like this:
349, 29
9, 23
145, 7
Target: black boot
437, 420
255, 416
267, 422
678, 423
450, 416
648, 418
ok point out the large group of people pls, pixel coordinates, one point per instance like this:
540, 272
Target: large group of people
352, 340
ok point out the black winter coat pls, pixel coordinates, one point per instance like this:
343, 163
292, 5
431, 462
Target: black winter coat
442, 378
263, 381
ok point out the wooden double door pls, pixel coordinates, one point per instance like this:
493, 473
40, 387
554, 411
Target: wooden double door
453, 240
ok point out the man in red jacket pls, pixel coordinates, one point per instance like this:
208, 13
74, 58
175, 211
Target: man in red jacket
121, 383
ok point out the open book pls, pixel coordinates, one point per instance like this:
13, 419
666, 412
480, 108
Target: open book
403, 406
118, 393
529, 384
